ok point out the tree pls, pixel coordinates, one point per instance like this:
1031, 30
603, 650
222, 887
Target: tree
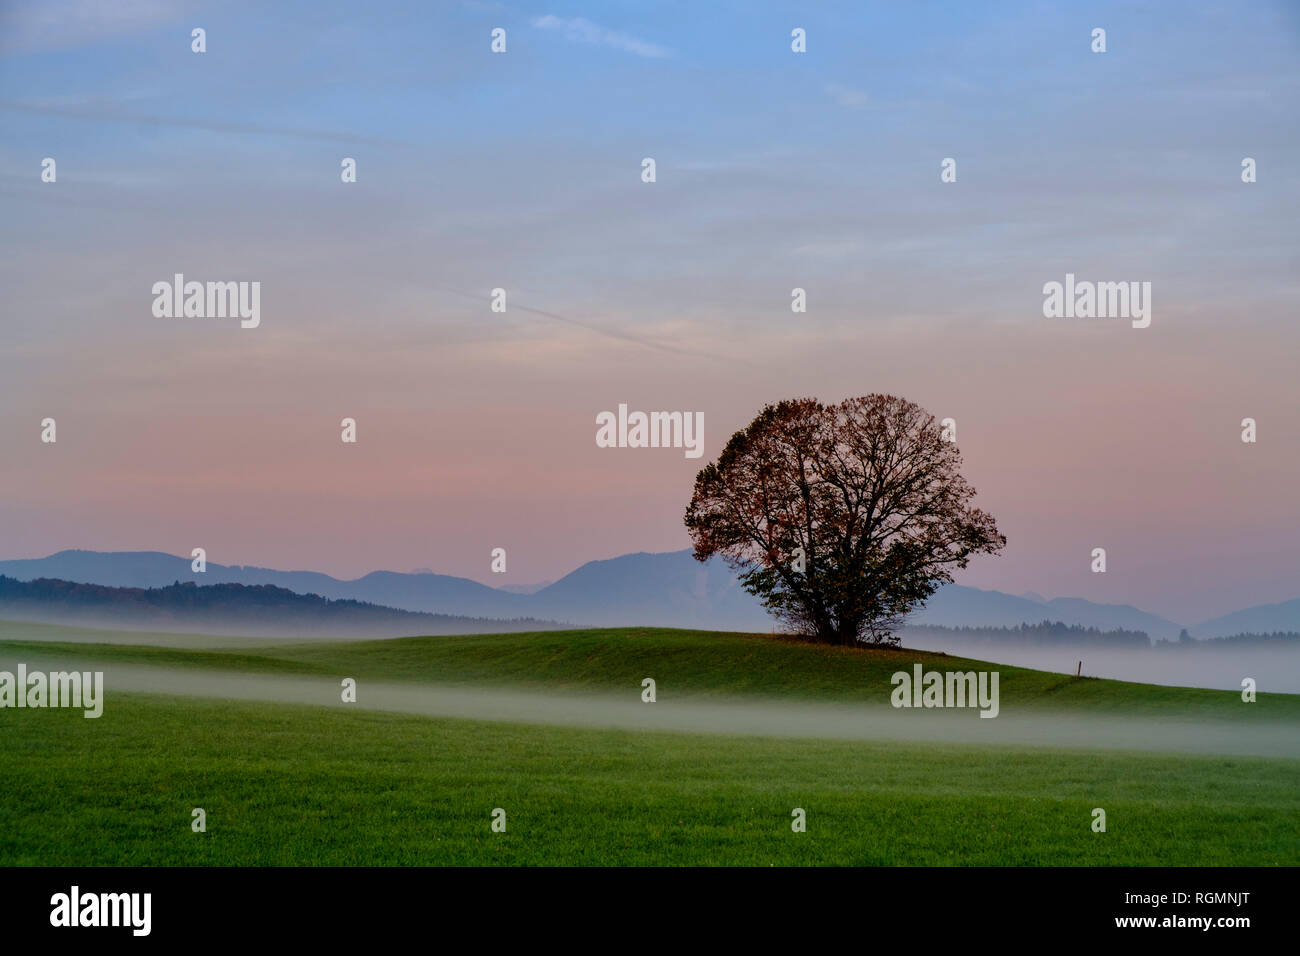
841, 518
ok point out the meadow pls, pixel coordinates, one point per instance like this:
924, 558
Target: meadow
284, 782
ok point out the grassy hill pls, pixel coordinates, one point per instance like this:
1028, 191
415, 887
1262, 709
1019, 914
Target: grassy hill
694, 664
289, 783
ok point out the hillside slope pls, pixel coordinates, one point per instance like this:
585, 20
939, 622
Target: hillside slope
685, 664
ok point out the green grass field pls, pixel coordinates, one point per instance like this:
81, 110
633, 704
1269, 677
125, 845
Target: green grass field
290, 783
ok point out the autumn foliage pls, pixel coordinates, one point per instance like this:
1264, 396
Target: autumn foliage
841, 518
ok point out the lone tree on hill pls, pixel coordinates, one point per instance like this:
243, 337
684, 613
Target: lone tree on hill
841, 518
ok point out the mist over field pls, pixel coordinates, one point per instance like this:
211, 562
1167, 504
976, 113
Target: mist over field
1218, 667
729, 716
1275, 670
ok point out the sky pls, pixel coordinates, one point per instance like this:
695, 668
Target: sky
522, 170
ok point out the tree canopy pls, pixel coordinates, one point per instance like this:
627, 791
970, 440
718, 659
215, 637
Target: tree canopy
841, 518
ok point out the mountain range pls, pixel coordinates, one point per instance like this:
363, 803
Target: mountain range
261, 610
668, 589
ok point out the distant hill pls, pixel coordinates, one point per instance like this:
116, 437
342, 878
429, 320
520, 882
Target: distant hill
434, 593
672, 589
667, 589
1045, 634
658, 590
956, 606
1282, 639
523, 588
261, 610
1261, 619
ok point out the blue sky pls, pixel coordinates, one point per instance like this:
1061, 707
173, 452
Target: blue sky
1059, 145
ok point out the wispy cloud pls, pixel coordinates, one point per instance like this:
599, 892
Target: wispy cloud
593, 327
584, 31
846, 97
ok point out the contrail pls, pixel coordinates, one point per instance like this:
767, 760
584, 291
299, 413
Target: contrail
598, 329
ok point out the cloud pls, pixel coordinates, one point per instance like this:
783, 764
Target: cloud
584, 31
848, 98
